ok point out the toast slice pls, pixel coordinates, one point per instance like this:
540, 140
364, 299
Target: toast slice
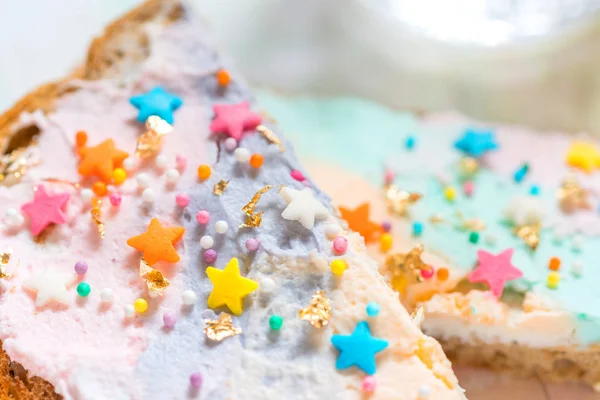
189, 268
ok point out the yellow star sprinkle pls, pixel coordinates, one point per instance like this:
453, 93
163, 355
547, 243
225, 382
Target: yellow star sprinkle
584, 156
229, 287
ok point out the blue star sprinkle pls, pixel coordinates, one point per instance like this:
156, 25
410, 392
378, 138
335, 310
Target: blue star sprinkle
358, 349
476, 144
156, 102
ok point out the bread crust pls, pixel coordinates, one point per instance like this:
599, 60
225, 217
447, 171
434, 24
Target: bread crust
101, 62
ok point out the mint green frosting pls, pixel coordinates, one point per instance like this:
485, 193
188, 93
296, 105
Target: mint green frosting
362, 137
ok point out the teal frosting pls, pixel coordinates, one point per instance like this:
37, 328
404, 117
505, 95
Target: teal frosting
363, 137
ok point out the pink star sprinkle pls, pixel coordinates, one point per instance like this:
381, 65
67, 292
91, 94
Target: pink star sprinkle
495, 270
234, 119
45, 209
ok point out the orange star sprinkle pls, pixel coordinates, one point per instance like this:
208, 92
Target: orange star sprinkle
157, 242
100, 160
358, 220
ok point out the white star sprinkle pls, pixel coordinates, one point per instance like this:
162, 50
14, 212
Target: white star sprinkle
303, 207
48, 286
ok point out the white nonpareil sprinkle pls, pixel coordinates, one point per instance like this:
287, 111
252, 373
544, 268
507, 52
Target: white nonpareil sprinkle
161, 161
172, 176
577, 267
148, 195
188, 297
206, 242
107, 295
221, 227
129, 164
143, 180
332, 230
241, 155
129, 311
424, 392
86, 195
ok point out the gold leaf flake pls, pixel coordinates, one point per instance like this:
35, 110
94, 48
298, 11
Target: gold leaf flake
572, 196
14, 165
154, 279
404, 268
220, 329
4, 259
418, 316
436, 219
96, 213
220, 187
253, 220
270, 136
471, 224
468, 166
398, 201
150, 142
318, 313
529, 234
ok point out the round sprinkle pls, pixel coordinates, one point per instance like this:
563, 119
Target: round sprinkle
203, 217
442, 274
275, 322
119, 175
427, 273
559, 235
196, 380
444, 178
148, 196
140, 306
256, 160
181, 161
340, 245
449, 193
297, 175
142, 180
474, 237
221, 227
129, 311
534, 190
230, 144
129, 164
223, 77
182, 199
86, 195
553, 280
99, 188
410, 142
107, 295
577, 243
424, 392
241, 155
81, 139
417, 228
210, 256
577, 268
252, 244
332, 230
115, 199
385, 242
373, 309
490, 239
169, 319
172, 176
81, 267
386, 226
161, 161
554, 264
468, 188
267, 286
83, 289
369, 384
338, 267
13, 218
188, 297
206, 242
204, 172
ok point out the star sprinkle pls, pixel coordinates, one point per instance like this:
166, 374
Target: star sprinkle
358, 349
101, 160
584, 156
358, 220
48, 287
495, 270
157, 242
45, 209
229, 287
303, 207
157, 102
234, 119
476, 144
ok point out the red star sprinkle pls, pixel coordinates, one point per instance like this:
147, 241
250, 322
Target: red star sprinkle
45, 210
234, 119
495, 270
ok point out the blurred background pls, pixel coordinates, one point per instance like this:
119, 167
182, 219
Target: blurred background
532, 62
